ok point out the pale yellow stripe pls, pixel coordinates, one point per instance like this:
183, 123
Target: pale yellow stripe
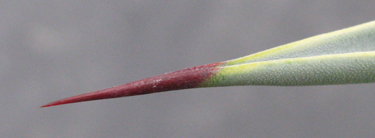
359, 38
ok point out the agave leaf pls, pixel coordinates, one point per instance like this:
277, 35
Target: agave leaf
357, 67
346, 56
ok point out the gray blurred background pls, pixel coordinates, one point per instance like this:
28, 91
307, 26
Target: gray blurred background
56, 49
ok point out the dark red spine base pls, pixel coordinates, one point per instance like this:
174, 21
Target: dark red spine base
182, 79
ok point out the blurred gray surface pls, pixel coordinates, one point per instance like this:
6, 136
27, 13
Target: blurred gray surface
56, 49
